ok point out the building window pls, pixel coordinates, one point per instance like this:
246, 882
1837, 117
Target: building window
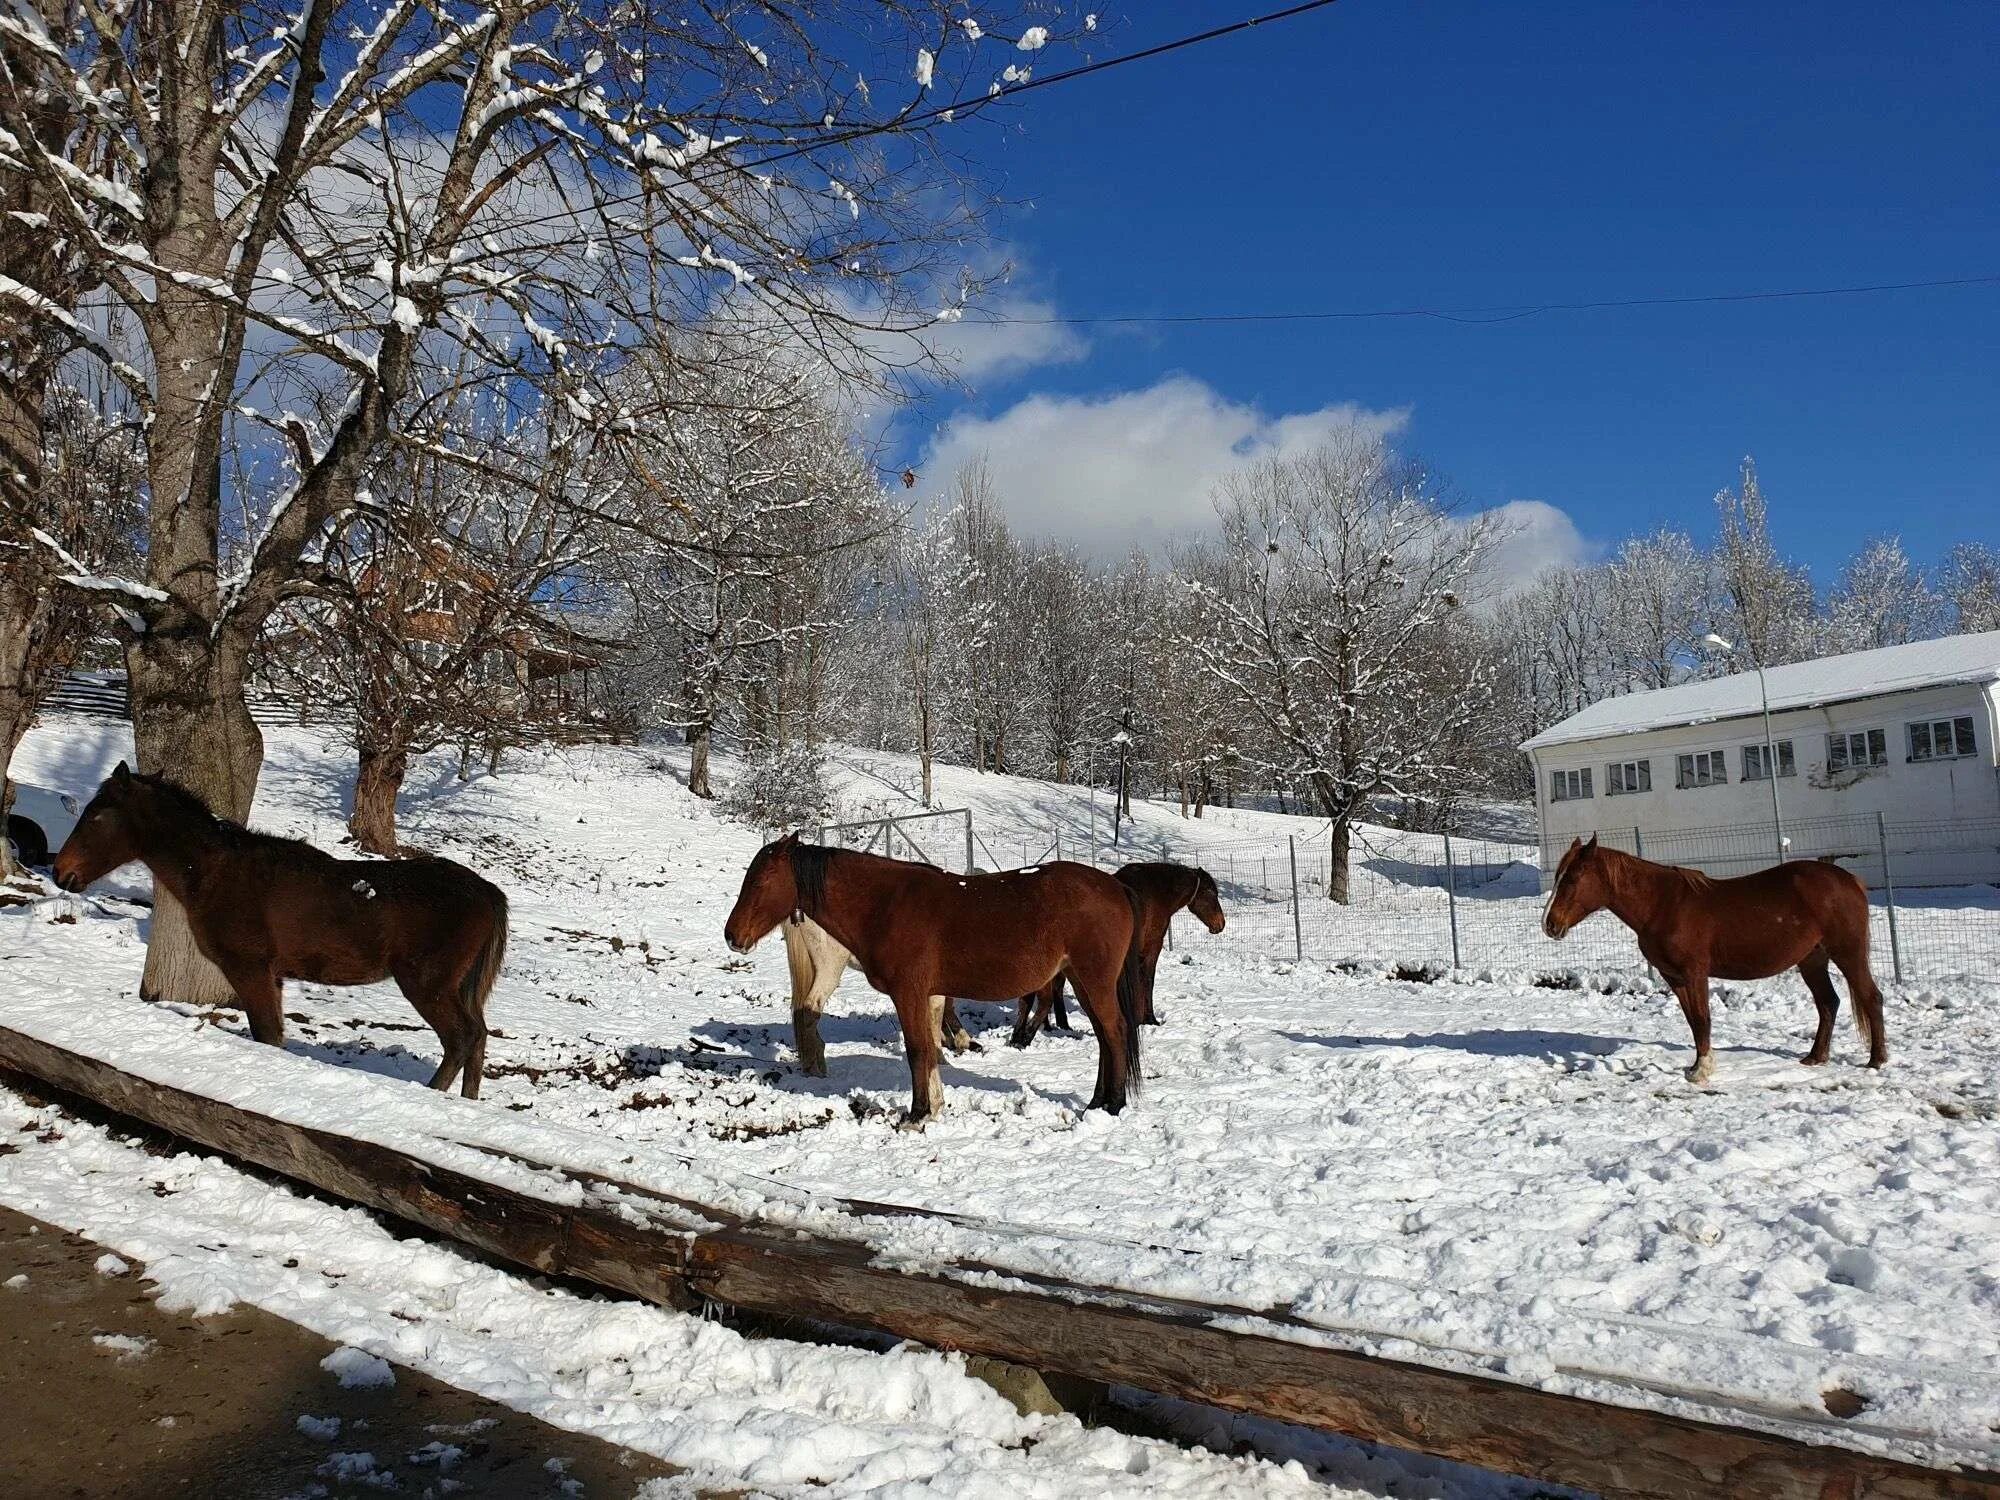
1569, 786
1703, 768
1942, 739
1623, 777
1756, 761
1857, 749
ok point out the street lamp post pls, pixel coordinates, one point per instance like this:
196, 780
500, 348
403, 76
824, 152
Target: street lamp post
1770, 745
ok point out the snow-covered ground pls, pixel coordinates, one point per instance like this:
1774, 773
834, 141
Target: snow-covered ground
1480, 1172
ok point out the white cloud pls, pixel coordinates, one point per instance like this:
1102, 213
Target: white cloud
1535, 537
1133, 468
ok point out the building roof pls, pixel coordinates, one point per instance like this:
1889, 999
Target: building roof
1801, 684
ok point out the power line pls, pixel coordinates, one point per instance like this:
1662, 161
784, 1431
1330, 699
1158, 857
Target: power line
971, 103
1503, 314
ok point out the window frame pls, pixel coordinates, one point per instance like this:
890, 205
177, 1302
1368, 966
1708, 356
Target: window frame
1788, 760
1846, 739
1685, 779
1641, 768
1577, 778
1965, 747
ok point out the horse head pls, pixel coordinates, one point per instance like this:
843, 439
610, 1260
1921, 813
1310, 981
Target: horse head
1581, 888
104, 837
1206, 902
770, 893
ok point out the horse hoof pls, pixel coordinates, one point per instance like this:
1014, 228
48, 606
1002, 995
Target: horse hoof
1813, 1060
1701, 1072
914, 1122
1879, 1062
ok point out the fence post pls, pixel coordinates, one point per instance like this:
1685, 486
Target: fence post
1058, 846
1298, 933
1451, 900
1889, 889
968, 841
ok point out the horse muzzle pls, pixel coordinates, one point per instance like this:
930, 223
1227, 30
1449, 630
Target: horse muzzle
70, 881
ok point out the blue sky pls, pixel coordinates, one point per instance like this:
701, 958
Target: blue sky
1381, 154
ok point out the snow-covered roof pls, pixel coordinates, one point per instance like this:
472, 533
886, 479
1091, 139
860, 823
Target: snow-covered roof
1801, 684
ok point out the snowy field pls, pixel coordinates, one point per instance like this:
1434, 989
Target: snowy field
1480, 1172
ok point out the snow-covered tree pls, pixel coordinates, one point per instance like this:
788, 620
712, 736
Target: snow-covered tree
1658, 599
288, 198
1318, 608
1882, 599
1971, 586
1765, 604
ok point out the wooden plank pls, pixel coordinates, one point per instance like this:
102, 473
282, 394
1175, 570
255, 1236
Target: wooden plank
645, 1245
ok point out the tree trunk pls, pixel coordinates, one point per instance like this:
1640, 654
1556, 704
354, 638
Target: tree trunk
189, 722
17, 705
1337, 888
376, 787
699, 736
924, 748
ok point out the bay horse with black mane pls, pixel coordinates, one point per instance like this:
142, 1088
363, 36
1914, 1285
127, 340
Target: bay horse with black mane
919, 933
1806, 914
1159, 889
265, 909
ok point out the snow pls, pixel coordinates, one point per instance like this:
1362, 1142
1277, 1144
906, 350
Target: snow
1803, 684
1478, 1173
926, 64
1034, 39
358, 1370
125, 1345
319, 1429
110, 1265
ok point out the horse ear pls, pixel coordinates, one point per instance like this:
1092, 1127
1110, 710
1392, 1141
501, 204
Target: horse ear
1593, 842
122, 773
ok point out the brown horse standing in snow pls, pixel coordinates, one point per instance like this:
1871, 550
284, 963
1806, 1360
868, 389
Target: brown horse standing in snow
264, 910
1159, 889
1692, 928
920, 933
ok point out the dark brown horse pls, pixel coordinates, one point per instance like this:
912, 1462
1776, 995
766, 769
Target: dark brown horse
919, 933
1159, 890
1804, 915
264, 910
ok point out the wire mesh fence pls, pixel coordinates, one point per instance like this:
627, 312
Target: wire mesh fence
1429, 903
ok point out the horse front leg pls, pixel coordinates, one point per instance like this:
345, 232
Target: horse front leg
263, 995
1692, 992
1031, 1013
918, 1015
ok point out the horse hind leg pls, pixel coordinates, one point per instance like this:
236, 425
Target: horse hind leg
1098, 995
1864, 997
1031, 1013
1826, 1000
432, 999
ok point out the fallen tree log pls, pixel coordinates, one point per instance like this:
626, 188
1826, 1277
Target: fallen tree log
682, 1254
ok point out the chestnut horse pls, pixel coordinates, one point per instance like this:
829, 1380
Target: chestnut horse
1692, 928
920, 933
1161, 890
265, 909
816, 963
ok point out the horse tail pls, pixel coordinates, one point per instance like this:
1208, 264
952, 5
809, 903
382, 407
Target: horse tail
1129, 999
481, 973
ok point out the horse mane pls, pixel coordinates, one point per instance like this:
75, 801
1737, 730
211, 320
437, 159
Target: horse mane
180, 803
809, 862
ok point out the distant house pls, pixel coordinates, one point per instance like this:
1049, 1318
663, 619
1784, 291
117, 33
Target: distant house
1893, 747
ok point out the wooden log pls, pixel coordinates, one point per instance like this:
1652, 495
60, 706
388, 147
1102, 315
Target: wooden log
643, 1244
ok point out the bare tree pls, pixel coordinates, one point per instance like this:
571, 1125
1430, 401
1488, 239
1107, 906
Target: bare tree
1334, 574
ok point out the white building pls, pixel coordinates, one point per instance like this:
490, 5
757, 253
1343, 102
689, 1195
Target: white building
1890, 748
